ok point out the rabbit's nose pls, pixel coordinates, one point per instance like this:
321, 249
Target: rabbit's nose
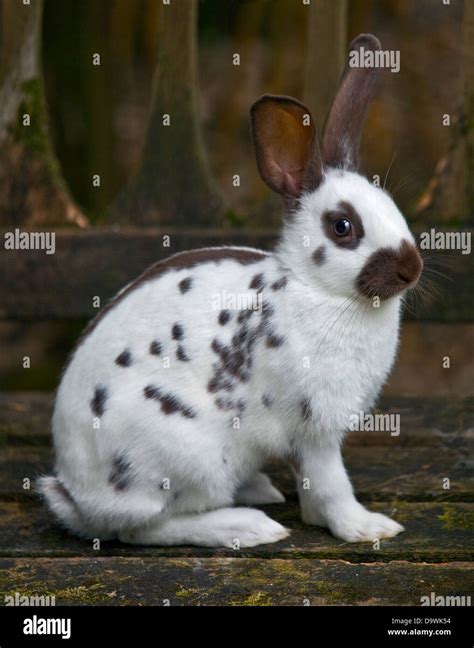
389, 271
409, 264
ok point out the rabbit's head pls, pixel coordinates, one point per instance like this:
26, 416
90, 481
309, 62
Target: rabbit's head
341, 231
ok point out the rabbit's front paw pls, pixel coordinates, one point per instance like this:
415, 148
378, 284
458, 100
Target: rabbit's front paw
359, 525
249, 528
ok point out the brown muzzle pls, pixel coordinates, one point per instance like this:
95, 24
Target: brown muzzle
388, 272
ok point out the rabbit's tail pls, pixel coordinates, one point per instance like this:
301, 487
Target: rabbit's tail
61, 503
104, 516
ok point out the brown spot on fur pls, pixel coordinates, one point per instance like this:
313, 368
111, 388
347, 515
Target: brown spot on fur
224, 403
245, 315
181, 354
319, 255
306, 411
185, 285
267, 400
239, 337
232, 359
227, 404
258, 281
388, 272
98, 401
124, 359
177, 332
64, 492
155, 348
267, 310
219, 381
274, 341
224, 317
217, 346
120, 475
235, 359
279, 283
170, 404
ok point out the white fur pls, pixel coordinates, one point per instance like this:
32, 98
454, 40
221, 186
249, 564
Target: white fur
258, 490
337, 354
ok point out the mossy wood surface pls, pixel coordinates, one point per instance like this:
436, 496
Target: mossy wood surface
231, 581
401, 476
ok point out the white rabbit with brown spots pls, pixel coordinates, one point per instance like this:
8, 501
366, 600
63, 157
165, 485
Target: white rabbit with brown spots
170, 406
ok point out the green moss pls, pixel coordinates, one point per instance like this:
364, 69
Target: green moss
260, 599
455, 518
335, 594
83, 594
7, 577
267, 584
34, 137
184, 593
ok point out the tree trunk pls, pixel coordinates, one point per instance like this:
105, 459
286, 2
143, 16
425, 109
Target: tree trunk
449, 196
173, 185
32, 191
325, 55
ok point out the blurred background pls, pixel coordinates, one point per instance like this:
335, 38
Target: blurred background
99, 116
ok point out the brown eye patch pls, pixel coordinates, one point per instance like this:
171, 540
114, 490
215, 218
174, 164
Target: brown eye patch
344, 211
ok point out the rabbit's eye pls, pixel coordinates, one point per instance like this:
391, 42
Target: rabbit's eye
342, 227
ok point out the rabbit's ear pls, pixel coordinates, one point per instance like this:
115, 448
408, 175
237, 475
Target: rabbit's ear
345, 121
286, 145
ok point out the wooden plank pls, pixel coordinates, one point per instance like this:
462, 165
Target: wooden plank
435, 532
98, 262
25, 420
407, 473
414, 474
231, 581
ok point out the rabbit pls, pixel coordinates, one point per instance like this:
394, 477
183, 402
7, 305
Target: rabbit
178, 393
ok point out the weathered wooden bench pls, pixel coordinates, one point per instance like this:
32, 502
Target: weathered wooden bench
401, 476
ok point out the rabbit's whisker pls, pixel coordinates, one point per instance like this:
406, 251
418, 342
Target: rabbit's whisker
390, 167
